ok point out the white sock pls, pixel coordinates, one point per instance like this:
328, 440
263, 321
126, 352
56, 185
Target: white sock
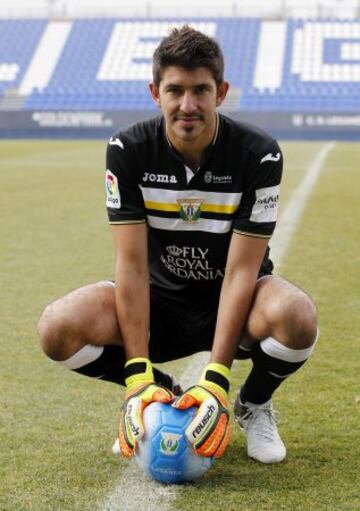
84, 356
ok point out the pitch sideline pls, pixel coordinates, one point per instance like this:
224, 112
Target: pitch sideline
290, 217
132, 493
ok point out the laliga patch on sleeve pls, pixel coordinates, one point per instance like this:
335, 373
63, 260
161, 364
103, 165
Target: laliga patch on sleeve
266, 205
112, 190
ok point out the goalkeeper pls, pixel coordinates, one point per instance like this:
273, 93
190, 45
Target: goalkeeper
192, 199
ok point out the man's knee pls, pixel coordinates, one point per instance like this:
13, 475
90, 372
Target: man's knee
52, 334
84, 316
294, 318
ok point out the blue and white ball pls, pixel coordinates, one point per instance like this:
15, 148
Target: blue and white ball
164, 453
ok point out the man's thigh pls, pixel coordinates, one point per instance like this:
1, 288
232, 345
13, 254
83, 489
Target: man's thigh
177, 330
275, 304
86, 315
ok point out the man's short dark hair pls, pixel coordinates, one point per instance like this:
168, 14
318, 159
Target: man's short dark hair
188, 48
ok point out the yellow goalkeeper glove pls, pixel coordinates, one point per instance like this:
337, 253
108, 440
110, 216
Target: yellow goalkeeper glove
141, 390
209, 431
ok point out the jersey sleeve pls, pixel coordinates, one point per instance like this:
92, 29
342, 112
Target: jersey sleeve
257, 213
124, 201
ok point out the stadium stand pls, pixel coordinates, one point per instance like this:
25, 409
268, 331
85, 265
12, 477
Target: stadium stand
75, 69
18, 42
104, 64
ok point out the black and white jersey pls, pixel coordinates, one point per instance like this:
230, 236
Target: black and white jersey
192, 215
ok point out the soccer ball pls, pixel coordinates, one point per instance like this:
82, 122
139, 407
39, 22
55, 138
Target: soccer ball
164, 453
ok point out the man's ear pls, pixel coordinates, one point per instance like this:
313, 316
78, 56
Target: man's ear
221, 92
154, 91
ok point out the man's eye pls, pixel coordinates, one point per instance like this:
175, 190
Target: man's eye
201, 89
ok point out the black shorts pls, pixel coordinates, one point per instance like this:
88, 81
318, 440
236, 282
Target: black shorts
179, 328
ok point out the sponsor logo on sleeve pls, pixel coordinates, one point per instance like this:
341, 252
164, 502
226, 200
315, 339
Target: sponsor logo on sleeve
266, 205
112, 191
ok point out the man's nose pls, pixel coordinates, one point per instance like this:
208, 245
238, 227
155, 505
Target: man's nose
188, 103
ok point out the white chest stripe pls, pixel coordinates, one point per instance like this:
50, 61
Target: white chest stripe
177, 224
172, 196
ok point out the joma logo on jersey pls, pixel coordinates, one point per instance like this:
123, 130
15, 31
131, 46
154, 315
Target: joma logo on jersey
159, 178
190, 209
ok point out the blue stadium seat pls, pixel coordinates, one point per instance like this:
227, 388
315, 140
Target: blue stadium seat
312, 81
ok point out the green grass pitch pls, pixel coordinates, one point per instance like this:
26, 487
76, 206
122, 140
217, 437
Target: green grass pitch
57, 427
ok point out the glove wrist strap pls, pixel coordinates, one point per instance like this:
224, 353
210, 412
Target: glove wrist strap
216, 376
138, 370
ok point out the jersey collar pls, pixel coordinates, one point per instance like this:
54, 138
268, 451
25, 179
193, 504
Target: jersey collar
208, 150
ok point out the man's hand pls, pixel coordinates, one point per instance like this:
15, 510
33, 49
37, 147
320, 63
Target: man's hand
141, 391
209, 431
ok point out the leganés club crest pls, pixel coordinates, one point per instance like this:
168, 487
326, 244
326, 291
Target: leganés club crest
190, 209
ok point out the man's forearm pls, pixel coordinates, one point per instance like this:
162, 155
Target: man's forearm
235, 301
133, 311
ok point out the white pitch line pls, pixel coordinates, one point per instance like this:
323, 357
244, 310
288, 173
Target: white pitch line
290, 217
133, 492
